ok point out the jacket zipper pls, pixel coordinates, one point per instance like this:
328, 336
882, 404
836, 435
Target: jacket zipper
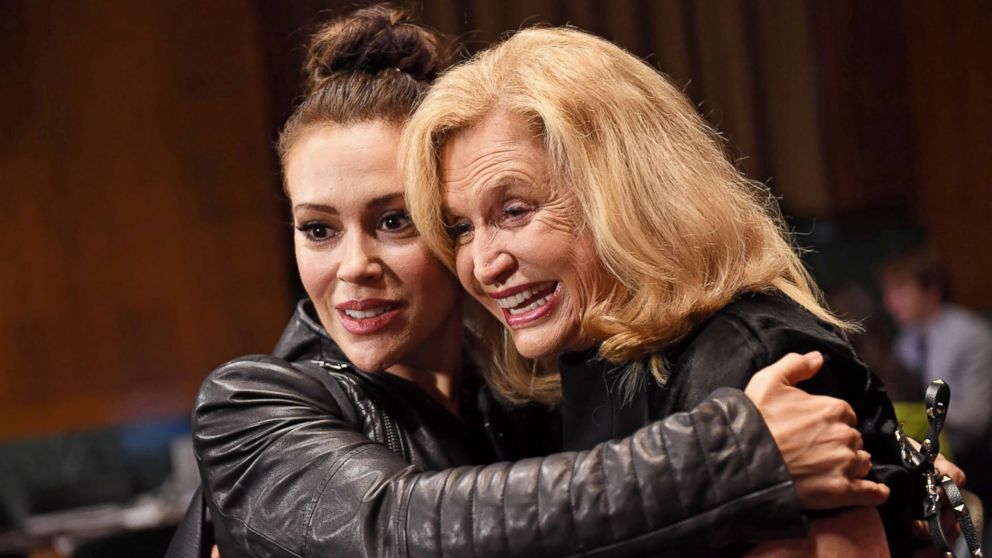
390, 430
393, 440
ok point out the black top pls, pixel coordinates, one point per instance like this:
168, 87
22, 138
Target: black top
745, 336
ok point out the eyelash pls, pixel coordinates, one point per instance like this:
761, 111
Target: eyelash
395, 215
318, 231
512, 213
516, 210
459, 231
309, 231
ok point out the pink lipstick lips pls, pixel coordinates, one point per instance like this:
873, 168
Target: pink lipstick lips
370, 315
525, 304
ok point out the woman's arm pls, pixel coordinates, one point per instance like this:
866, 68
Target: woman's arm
286, 476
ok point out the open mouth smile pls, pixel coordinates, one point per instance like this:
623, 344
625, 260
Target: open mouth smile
527, 303
367, 316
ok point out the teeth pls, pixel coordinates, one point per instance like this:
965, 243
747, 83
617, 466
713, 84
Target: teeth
536, 304
514, 300
363, 314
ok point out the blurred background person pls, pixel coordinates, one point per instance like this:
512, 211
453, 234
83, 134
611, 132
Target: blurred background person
942, 340
939, 339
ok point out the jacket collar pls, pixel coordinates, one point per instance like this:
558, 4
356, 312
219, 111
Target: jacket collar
305, 338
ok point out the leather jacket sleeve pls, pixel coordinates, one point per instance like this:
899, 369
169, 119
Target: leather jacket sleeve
287, 475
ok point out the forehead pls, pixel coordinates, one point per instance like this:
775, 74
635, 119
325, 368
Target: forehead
500, 148
354, 161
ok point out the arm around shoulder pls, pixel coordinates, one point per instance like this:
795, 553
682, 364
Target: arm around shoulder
288, 475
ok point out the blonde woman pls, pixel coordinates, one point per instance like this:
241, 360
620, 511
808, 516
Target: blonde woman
627, 267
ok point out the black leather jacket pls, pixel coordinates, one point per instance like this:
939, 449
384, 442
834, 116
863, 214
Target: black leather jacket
303, 455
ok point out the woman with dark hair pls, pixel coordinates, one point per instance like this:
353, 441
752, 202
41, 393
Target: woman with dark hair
368, 430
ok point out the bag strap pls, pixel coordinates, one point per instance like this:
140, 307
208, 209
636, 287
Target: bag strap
195, 535
937, 401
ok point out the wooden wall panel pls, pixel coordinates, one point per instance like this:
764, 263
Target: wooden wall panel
951, 74
791, 143
142, 239
866, 116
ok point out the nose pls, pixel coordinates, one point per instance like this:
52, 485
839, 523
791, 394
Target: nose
360, 261
492, 263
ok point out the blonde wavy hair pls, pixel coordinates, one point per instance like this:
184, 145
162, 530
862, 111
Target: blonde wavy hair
678, 228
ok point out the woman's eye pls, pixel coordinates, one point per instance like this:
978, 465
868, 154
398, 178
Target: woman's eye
395, 222
459, 232
515, 211
315, 231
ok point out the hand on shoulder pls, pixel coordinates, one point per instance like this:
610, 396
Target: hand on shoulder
816, 436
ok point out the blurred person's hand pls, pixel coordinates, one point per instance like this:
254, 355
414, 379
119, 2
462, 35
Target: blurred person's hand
816, 435
945, 467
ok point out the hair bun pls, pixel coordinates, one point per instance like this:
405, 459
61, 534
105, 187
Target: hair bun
372, 40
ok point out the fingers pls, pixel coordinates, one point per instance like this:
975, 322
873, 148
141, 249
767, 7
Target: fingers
845, 413
951, 470
215, 552
859, 442
836, 410
862, 464
868, 493
794, 368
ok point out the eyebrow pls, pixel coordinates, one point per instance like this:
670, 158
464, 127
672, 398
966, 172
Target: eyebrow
375, 202
495, 187
384, 200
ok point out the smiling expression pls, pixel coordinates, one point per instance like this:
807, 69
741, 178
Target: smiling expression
381, 295
518, 250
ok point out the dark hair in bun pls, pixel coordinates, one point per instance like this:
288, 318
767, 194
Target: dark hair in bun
373, 40
372, 64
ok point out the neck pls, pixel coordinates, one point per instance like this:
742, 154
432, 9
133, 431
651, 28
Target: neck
441, 384
436, 367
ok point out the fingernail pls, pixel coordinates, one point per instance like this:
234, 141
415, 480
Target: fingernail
814, 356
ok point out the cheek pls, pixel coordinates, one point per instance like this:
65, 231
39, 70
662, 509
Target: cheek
316, 270
900, 300
464, 267
587, 266
418, 270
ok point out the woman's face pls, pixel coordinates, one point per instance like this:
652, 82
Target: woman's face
518, 248
381, 295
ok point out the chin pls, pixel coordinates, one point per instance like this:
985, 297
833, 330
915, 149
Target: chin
532, 345
372, 361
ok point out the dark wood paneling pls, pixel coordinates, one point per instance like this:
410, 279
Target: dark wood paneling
951, 71
866, 114
141, 242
